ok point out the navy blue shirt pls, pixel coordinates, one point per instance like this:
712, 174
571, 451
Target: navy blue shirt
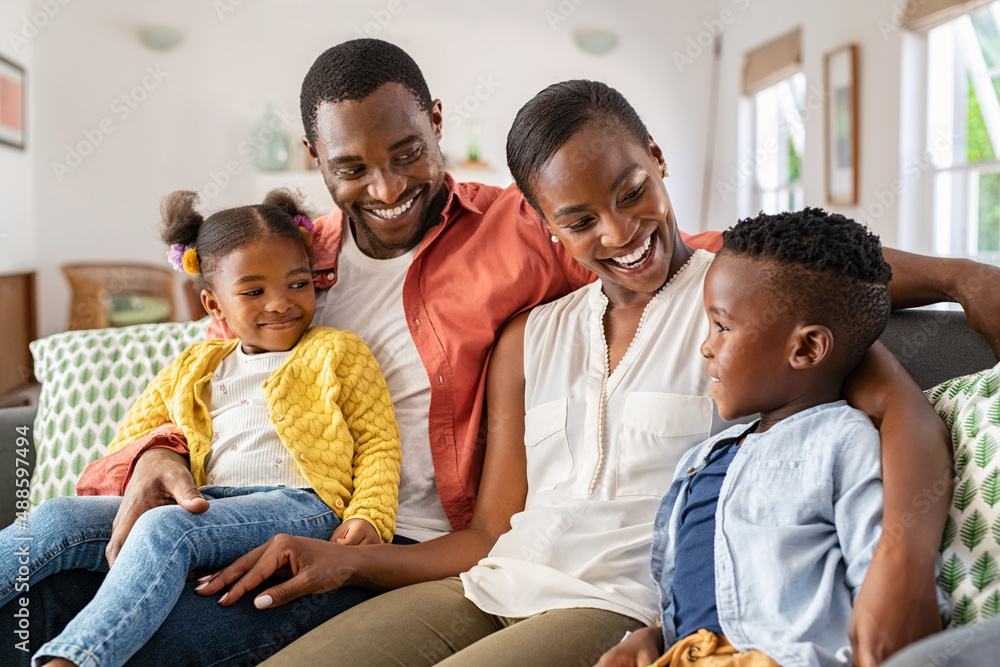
694, 574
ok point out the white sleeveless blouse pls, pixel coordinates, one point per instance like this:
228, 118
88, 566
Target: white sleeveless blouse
584, 537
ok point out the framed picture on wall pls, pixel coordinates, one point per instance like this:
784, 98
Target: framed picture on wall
840, 78
11, 104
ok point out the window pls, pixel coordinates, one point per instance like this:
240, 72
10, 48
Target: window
779, 142
772, 136
963, 134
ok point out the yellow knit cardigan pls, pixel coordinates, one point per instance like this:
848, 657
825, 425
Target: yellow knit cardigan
328, 402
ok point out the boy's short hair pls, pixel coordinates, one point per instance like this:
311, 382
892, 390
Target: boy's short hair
826, 268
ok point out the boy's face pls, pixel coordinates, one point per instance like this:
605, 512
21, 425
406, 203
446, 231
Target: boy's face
749, 341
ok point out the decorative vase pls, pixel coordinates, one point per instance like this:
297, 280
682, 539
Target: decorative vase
272, 144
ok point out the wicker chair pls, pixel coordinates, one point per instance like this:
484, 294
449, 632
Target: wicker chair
119, 294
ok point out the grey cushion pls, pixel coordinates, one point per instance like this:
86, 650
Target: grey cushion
936, 345
12, 419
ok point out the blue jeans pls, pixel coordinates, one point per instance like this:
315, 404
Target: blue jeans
165, 544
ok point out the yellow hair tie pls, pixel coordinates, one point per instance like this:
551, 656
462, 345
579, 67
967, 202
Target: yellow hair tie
190, 263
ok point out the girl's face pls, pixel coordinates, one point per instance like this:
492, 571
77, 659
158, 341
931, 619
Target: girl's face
603, 197
264, 292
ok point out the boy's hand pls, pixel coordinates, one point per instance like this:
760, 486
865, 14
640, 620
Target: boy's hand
640, 649
355, 531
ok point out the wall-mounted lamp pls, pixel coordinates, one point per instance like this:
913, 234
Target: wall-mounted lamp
595, 40
160, 37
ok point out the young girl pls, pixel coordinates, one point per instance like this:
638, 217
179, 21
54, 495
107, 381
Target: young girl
291, 427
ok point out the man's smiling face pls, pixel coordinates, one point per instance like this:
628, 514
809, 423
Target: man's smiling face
382, 164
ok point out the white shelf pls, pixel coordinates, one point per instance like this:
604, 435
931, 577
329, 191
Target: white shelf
309, 183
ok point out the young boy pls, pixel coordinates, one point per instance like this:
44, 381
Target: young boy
764, 537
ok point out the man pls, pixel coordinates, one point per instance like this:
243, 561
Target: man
426, 271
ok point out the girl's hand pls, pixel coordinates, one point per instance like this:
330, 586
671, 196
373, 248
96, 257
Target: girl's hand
354, 532
313, 566
640, 649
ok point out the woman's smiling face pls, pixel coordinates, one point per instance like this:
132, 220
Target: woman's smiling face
603, 197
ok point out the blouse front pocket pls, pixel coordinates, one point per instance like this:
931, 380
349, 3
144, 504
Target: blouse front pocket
657, 428
546, 445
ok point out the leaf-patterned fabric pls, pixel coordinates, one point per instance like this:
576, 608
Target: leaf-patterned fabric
89, 381
970, 546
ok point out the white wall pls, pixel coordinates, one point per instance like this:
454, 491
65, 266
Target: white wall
214, 85
826, 26
18, 249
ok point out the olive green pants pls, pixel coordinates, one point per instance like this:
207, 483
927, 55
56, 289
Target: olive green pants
433, 623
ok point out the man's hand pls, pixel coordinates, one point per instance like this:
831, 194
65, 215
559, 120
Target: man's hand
314, 566
918, 280
897, 605
354, 532
161, 477
978, 291
640, 649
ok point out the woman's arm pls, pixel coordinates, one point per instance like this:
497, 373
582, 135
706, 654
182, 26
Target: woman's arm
898, 601
918, 280
316, 566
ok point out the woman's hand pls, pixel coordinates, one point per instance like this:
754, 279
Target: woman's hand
161, 477
897, 603
641, 648
313, 566
354, 532
895, 607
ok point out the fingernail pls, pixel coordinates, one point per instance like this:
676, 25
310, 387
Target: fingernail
205, 578
201, 586
263, 602
223, 598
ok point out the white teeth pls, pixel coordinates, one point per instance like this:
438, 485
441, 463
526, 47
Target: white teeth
634, 256
713, 379
391, 213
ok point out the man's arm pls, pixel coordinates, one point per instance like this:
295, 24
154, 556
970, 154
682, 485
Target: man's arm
316, 566
918, 280
898, 601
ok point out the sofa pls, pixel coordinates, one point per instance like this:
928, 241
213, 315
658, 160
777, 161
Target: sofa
933, 345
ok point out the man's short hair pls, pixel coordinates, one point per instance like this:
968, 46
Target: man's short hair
825, 267
354, 70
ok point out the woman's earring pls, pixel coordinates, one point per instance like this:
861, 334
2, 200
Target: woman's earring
665, 172
555, 239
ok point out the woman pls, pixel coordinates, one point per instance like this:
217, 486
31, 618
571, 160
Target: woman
596, 395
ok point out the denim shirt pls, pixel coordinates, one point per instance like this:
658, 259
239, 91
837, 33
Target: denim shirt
798, 519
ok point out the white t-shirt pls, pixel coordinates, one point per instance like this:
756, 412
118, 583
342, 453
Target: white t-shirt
246, 449
368, 300
583, 539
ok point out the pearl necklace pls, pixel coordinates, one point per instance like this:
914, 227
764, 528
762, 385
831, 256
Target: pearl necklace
607, 366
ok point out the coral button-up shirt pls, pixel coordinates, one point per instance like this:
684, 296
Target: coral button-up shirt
488, 259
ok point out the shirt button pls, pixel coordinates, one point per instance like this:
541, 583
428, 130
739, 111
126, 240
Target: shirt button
331, 275
440, 379
278, 417
302, 456
338, 503
690, 470
417, 321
